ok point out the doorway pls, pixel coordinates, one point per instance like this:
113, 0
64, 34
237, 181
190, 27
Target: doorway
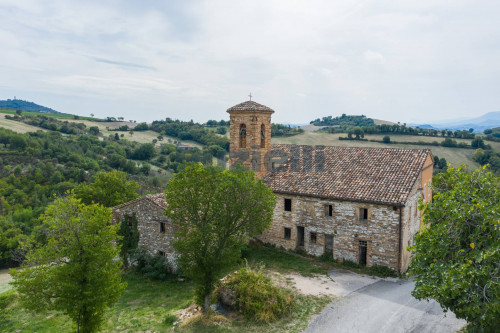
300, 236
329, 244
362, 253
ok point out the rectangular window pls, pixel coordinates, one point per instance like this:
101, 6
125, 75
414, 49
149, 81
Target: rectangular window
328, 210
288, 233
161, 253
313, 237
288, 205
363, 214
162, 227
129, 218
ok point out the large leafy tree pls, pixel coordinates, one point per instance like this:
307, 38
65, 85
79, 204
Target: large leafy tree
216, 212
457, 256
76, 271
108, 189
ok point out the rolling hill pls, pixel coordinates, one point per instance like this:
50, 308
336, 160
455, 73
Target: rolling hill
19, 104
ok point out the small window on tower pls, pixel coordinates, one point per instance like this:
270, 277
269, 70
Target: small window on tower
243, 136
288, 205
162, 227
262, 136
130, 220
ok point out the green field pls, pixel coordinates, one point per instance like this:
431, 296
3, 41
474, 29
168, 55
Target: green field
145, 305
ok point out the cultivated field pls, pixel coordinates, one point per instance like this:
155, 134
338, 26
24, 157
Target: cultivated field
17, 126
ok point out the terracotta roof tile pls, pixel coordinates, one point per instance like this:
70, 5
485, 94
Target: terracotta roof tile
157, 199
377, 175
250, 106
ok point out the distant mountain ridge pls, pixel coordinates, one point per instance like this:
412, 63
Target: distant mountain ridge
479, 124
19, 104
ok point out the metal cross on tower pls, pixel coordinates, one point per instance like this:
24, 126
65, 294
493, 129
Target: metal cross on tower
250, 96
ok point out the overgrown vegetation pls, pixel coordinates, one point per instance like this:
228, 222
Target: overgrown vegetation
255, 296
456, 256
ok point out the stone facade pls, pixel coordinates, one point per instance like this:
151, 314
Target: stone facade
156, 231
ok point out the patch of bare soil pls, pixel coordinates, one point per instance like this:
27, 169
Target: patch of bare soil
317, 285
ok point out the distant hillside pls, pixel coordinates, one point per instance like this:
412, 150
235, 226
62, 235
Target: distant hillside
479, 124
18, 104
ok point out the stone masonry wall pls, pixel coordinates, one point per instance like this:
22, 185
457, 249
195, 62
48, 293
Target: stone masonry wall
380, 230
149, 217
411, 224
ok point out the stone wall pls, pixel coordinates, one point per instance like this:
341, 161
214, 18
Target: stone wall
380, 230
149, 216
410, 224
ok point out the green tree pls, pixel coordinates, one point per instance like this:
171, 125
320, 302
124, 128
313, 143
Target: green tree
216, 211
477, 143
456, 259
108, 189
76, 271
130, 236
386, 139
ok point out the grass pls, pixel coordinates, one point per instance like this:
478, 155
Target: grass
285, 262
151, 305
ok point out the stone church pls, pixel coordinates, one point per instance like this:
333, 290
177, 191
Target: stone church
357, 204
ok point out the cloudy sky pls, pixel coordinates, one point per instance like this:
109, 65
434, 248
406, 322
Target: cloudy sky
408, 61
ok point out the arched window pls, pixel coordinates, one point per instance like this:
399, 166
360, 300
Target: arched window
262, 136
243, 136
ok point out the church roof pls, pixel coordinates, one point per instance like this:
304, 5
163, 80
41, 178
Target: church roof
250, 106
374, 175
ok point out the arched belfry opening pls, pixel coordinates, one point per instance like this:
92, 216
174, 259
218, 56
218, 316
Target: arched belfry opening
262, 136
243, 136
250, 136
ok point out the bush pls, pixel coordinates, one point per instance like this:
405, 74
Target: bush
170, 319
349, 263
151, 266
386, 139
326, 257
256, 296
382, 271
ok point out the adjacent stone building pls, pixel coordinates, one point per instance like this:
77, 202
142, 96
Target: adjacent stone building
357, 204
156, 232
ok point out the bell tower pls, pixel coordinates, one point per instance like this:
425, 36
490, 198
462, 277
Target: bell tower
250, 136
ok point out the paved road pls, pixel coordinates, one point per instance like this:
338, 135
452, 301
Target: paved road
384, 305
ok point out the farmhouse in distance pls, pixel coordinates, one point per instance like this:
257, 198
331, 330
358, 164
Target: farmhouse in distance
357, 204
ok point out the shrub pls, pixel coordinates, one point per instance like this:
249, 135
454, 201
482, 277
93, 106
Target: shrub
326, 257
170, 319
349, 263
386, 139
256, 296
382, 271
151, 266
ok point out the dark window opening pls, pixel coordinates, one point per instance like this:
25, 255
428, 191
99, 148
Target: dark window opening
162, 227
161, 253
313, 237
328, 210
130, 220
243, 136
300, 236
362, 252
288, 233
288, 205
363, 214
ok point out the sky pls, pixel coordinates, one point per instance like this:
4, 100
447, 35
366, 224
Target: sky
409, 61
